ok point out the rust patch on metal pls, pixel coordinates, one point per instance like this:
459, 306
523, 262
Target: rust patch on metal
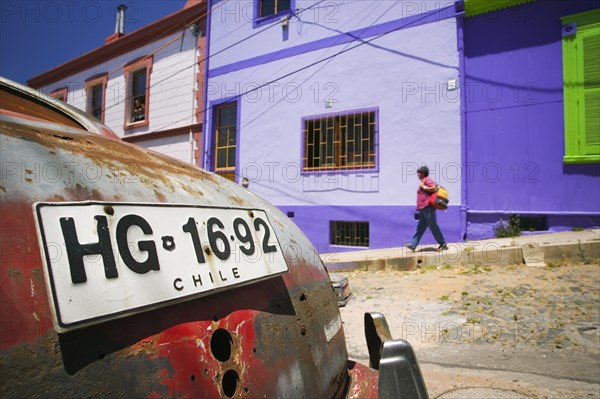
106, 152
237, 200
13, 272
56, 198
192, 190
364, 382
37, 369
160, 196
81, 193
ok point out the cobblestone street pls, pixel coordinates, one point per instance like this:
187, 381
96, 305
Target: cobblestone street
532, 332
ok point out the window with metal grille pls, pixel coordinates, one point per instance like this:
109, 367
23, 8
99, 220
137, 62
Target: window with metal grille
355, 234
340, 142
225, 140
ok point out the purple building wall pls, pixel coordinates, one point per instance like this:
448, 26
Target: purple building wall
397, 59
514, 122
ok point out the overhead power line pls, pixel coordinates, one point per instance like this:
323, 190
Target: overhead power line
320, 61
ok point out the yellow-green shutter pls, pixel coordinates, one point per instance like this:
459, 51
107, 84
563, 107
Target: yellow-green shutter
581, 73
478, 7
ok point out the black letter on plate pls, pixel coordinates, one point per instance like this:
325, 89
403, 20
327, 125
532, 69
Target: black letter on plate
147, 246
76, 251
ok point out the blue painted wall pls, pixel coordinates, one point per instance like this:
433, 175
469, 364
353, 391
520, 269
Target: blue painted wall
515, 125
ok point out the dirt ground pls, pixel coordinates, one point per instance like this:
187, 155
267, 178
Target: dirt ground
518, 331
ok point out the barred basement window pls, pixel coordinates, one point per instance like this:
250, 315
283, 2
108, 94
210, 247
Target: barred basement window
340, 142
355, 234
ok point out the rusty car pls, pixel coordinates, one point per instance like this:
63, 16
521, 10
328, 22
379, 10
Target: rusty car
126, 273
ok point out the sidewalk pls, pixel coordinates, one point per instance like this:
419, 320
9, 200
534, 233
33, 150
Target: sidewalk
532, 249
480, 331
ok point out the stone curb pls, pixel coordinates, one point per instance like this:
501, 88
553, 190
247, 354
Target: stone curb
463, 254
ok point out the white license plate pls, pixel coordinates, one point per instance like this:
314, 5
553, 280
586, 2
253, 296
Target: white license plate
107, 260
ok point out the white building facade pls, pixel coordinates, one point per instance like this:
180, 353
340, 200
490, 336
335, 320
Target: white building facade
145, 85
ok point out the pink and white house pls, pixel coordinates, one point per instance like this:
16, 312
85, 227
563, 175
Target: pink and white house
145, 85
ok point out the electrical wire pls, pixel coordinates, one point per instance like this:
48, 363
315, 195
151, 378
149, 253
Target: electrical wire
320, 61
126, 98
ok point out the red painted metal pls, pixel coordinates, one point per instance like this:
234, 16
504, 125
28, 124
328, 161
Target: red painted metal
266, 339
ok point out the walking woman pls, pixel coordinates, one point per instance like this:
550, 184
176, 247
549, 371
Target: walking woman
426, 212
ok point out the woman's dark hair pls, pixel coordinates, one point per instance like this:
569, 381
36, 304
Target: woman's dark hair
424, 170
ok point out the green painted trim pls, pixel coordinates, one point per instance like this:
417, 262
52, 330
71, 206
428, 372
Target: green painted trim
583, 18
478, 7
581, 159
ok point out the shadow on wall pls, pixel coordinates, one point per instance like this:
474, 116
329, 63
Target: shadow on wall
528, 25
584, 169
480, 227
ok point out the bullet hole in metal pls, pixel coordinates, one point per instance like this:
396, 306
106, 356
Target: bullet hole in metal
63, 137
303, 329
251, 214
303, 297
419, 262
109, 210
206, 372
193, 378
221, 345
168, 243
253, 350
230, 383
207, 250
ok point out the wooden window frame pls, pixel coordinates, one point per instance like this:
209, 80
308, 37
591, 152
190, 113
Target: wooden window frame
129, 69
62, 91
578, 148
90, 83
339, 153
228, 171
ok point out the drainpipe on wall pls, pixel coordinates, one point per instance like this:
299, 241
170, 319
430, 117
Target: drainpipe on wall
460, 37
195, 29
205, 111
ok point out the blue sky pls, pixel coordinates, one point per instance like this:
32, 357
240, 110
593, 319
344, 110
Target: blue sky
36, 36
